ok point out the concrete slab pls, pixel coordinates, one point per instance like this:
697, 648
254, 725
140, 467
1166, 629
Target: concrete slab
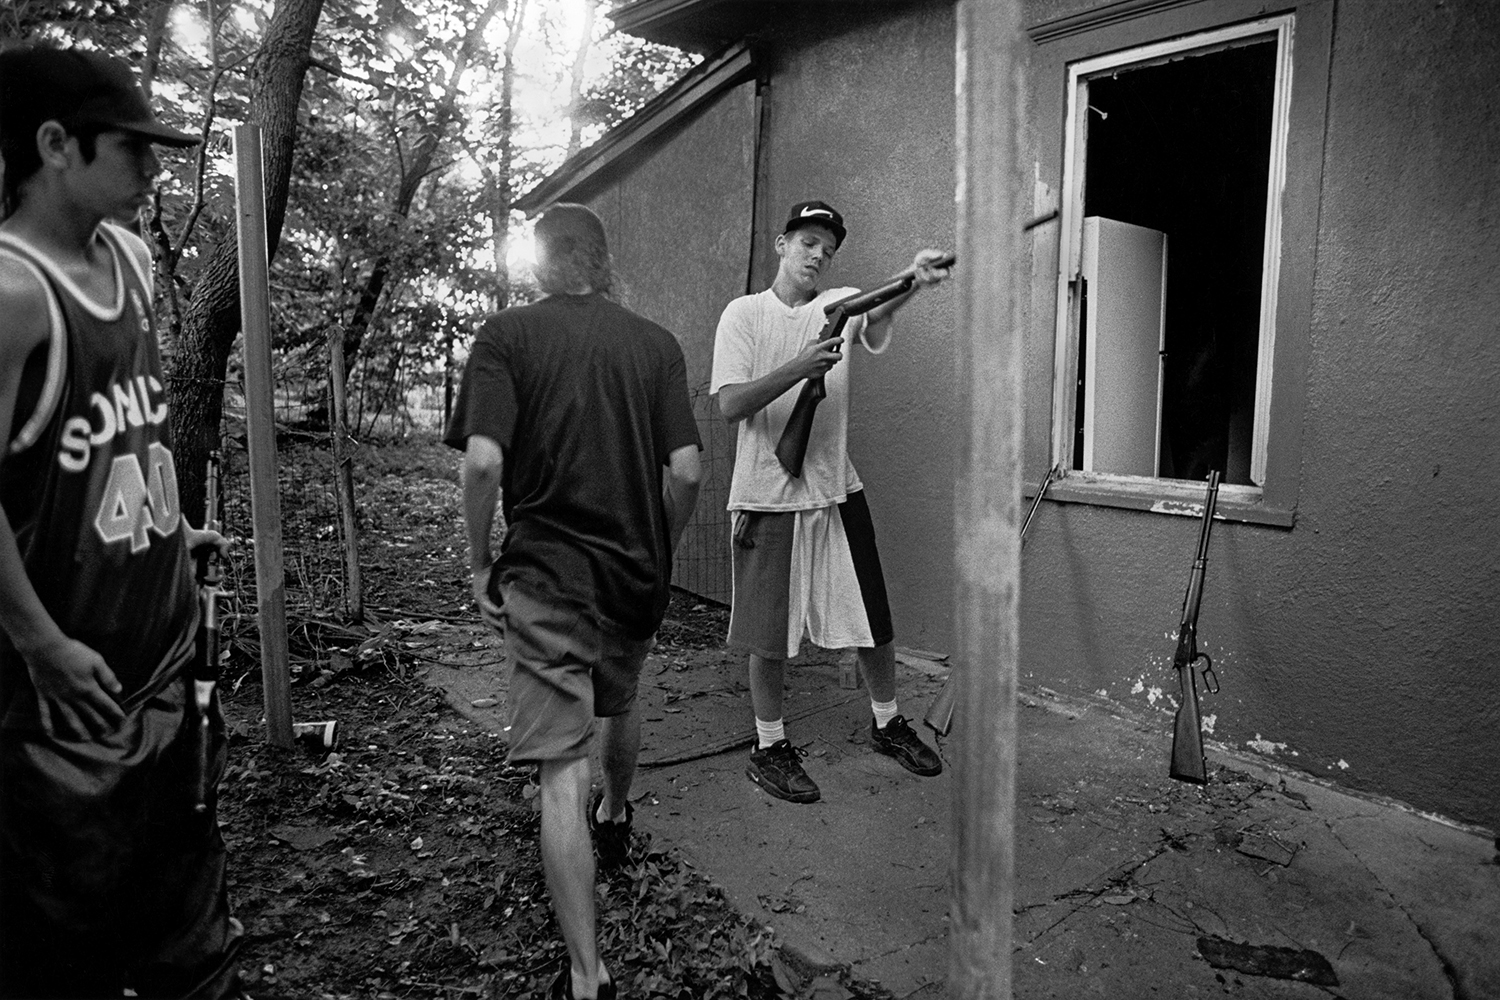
1119, 869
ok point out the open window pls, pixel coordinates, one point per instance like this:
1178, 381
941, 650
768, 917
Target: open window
1173, 171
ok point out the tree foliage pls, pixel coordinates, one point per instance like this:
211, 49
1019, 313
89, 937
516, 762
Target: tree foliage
396, 141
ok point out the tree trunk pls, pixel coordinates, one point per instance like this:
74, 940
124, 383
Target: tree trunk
414, 174
502, 193
343, 461
156, 29
212, 318
575, 95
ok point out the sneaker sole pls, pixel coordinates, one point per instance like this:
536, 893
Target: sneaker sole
774, 792
607, 861
926, 772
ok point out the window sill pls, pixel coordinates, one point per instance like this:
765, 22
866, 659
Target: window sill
1245, 504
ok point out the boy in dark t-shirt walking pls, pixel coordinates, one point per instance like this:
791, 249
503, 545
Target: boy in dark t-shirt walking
575, 411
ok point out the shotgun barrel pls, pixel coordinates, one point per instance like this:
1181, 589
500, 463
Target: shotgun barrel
791, 447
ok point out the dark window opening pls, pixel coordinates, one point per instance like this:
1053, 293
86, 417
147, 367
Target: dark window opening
1183, 147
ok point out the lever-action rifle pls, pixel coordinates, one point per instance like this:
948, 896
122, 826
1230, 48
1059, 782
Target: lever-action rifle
1187, 736
205, 669
791, 449
939, 715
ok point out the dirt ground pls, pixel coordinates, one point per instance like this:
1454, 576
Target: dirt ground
404, 863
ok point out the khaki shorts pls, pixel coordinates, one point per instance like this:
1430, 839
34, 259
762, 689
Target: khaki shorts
565, 671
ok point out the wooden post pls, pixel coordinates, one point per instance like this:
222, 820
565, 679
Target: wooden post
343, 474
993, 279
260, 418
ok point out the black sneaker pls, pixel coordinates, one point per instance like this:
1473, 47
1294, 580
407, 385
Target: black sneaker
562, 986
899, 740
611, 839
777, 770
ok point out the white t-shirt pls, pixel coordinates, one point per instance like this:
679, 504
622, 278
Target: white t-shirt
758, 334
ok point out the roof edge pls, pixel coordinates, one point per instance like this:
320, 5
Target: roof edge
704, 82
642, 17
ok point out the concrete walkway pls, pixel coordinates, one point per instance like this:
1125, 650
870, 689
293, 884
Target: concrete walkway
1128, 883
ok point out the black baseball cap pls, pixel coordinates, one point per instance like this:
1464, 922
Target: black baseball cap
806, 213
79, 89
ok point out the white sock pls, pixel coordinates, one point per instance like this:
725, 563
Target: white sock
884, 711
770, 732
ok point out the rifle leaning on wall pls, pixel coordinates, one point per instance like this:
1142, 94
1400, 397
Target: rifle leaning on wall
1187, 735
791, 448
939, 715
205, 668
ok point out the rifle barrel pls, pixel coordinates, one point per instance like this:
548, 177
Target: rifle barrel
1188, 763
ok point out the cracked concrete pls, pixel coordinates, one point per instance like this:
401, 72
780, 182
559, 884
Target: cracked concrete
1119, 869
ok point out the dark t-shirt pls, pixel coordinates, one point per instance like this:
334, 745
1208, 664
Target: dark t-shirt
587, 401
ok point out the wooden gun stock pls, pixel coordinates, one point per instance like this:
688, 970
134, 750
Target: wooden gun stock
791, 447
1188, 763
939, 717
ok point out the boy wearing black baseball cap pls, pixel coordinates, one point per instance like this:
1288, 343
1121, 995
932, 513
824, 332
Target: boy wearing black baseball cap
805, 560
109, 878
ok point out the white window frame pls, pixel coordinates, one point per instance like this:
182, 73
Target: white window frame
1282, 28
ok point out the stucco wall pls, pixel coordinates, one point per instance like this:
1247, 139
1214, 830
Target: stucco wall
679, 230
1360, 644
861, 115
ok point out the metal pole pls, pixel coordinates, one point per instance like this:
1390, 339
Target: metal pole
993, 192
260, 418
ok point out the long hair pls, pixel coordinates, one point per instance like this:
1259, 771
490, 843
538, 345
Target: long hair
571, 239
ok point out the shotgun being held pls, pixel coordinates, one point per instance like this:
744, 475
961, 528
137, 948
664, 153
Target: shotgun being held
791, 447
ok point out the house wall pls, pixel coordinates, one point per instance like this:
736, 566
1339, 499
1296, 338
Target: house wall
850, 120
679, 231
1360, 643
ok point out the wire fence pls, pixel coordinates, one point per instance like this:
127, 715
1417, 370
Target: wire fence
702, 565
380, 412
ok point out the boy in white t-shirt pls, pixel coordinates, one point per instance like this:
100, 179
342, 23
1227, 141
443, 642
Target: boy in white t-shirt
805, 559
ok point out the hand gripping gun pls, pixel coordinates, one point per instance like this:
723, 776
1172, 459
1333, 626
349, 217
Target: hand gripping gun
1187, 736
205, 669
791, 448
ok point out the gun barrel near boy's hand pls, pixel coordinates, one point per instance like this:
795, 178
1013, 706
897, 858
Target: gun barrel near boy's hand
791, 447
1188, 762
205, 670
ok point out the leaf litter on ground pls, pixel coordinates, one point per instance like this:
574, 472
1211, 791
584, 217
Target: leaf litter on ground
405, 862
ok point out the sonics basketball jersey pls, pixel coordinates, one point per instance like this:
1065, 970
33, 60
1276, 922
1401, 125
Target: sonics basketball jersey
89, 483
